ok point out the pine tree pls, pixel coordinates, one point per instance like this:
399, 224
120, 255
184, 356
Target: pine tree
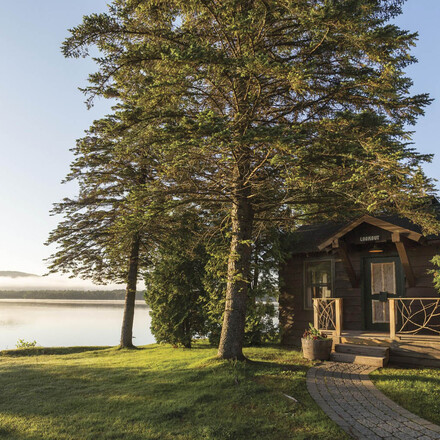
271, 111
174, 282
111, 227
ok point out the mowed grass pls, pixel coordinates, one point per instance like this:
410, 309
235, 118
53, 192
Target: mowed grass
157, 392
417, 390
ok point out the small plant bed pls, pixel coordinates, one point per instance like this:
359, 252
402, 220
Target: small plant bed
158, 392
417, 390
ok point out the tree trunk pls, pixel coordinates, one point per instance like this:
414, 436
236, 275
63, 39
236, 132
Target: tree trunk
187, 331
130, 295
231, 340
256, 270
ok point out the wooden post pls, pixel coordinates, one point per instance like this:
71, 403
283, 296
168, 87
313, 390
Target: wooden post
338, 307
401, 250
392, 304
316, 313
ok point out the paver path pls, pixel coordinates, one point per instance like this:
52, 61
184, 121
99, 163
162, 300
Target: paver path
348, 397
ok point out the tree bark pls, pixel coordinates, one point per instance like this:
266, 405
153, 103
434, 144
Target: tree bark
130, 295
187, 331
232, 336
256, 274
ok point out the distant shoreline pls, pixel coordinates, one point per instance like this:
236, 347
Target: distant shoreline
108, 302
95, 295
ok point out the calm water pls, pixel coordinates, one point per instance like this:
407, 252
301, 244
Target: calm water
61, 323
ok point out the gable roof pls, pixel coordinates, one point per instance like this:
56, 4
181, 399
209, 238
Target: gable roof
412, 234
310, 238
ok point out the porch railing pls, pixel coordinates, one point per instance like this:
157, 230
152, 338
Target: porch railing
414, 316
327, 314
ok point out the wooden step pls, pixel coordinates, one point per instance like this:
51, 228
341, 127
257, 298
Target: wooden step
363, 350
376, 361
375, 342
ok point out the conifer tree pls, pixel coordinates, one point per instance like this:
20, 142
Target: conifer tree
111, 226
174, 282
273, 111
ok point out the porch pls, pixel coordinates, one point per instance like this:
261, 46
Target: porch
413, 337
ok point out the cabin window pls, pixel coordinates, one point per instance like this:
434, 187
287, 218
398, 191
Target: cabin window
318, 281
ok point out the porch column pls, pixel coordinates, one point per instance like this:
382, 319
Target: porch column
392, 305
316, 313
338, 317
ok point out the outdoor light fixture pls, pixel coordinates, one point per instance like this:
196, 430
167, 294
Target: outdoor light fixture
375, 249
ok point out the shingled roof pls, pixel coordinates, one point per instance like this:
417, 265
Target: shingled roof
306, 239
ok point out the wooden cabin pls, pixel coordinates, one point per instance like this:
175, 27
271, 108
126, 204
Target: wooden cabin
364, 282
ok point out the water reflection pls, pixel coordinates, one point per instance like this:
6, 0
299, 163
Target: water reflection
69, 323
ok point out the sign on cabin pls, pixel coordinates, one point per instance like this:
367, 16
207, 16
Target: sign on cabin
368, 238
366, 233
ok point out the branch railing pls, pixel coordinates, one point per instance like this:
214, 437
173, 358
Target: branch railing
327, 314
414, 316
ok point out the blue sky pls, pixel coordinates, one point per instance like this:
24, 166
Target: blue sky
42, 113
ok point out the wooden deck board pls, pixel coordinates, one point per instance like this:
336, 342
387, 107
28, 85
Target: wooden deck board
412, 350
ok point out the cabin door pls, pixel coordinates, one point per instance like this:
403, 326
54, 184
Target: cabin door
383, 279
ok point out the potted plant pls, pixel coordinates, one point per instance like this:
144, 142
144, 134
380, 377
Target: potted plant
316, 345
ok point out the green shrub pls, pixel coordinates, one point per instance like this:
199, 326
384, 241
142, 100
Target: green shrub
21, 343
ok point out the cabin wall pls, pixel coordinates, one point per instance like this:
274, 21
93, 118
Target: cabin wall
294, 319
419, 257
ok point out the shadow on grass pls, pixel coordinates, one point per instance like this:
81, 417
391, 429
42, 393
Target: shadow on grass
37, 351
12, 434
169, 402
200, 346
288, 366
134, 397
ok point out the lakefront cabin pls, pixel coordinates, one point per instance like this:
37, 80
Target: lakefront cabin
366, 283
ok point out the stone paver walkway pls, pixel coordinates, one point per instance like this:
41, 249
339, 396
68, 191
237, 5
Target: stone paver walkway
348, 397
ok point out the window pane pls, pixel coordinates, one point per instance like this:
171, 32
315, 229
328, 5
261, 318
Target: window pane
376, 278
319, 272
389, 278
318, 281
326, 292
383, 278
381, 312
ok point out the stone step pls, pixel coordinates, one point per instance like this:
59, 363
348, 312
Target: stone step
376, 361
363, 350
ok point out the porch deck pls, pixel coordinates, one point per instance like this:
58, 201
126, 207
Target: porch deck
414, 329
384, 337
409, 350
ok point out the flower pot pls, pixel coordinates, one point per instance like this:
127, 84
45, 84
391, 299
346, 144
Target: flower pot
317, 349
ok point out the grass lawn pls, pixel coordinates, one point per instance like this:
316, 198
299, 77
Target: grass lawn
417, 390
157, 392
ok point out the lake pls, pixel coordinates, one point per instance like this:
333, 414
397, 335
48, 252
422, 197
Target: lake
63, 323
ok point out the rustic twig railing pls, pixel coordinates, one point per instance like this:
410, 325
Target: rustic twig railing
327, 314
414, 316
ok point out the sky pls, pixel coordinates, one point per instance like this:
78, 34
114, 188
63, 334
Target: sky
42, 113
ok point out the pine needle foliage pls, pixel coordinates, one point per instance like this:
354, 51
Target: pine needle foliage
112, 226
276, 112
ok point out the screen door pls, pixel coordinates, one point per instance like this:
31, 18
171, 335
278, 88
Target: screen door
382, 279
383, 283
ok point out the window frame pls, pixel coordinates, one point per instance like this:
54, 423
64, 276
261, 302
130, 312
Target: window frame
332, 274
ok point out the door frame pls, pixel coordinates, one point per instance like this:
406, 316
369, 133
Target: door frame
366, 288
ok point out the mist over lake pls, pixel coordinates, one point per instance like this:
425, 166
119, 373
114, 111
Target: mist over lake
59, 323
